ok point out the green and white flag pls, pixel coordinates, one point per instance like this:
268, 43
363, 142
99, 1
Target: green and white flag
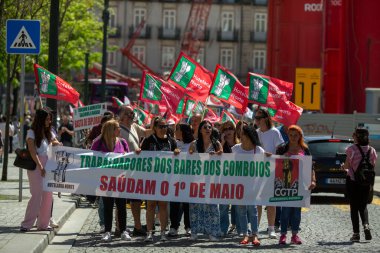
150, 89
226, 87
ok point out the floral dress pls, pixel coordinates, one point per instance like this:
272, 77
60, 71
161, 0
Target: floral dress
205, 218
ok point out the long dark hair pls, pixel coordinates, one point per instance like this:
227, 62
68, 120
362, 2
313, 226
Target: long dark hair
252, 135
268, 119
362, 136
38, 127
200, 144
187, 133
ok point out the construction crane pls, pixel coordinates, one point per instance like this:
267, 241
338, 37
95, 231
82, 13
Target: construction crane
196, 25
194, 33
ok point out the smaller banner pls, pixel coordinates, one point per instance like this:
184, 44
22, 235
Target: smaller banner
237, 179
88, 116
226, 116
191, 77
226, 87
54, 87
287, 113
141, 116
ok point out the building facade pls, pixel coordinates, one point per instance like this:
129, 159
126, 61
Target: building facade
235, 37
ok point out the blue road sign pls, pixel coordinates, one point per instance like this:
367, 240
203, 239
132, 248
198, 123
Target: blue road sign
23, 36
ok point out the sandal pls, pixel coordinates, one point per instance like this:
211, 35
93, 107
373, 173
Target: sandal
255, 241
245, 241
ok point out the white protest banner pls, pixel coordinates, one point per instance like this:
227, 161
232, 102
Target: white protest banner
88, 116
237, 179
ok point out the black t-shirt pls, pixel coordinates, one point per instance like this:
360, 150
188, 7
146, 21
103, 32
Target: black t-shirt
153, 143
65, 136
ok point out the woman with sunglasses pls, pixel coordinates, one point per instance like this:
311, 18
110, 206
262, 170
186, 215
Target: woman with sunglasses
205, 218
228, 140
158, 141
109, 141
250, 144
292, 215
270, 138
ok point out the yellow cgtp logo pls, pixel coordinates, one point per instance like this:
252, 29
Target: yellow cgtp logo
308, 88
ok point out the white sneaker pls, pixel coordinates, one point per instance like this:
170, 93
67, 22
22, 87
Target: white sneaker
107, 237
53, 223
149, 237
188, 231
193, 237
213, 238
173, 232
163, 237
272, 234
125, 236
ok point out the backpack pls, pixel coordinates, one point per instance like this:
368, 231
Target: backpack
365, 173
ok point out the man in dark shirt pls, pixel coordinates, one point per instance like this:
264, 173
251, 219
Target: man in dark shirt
66, 132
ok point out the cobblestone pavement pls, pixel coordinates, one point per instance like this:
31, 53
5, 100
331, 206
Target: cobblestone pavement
325, 227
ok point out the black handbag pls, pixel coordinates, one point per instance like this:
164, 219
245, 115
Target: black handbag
24, 159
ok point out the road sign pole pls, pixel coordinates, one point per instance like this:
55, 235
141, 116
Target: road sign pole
22, 109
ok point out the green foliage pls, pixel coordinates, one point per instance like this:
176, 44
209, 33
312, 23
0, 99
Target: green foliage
80, 31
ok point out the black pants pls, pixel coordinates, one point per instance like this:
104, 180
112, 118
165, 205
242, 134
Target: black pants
358, 196
10, 144
121, 213
176, 210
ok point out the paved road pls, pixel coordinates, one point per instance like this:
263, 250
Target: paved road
325, 227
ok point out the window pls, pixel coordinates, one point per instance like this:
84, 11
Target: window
226, 58
138, 16
167, 57
260, 22
139, 53
112, 22
201, 56
259, 60
227, 21
111, 58
169, 21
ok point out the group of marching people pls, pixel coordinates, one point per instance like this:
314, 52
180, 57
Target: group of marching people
200, 136
122, 135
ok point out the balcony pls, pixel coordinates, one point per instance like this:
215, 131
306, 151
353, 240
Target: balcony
260, 2
169, 34
228, 35
114, 32
145, 33
257, 71
258, 37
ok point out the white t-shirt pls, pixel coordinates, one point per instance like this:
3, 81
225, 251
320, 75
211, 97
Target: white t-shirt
184, 147
270, 139
238, 150
44, 147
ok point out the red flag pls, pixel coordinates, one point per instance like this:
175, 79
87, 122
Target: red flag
191, 77
287, 113
52, 86
156, 90
211, 116
226, 116
283, 86
226, 87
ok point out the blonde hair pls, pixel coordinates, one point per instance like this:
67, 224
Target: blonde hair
108, 134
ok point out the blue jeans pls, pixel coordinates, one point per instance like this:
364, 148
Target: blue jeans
101, 211
292, 216
235, 218
224, 219
248, 214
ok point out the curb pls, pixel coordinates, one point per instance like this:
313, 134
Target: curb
37, 241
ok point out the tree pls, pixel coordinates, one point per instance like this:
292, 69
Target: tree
80, 31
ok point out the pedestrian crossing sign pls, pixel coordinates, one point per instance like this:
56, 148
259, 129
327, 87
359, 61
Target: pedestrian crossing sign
23, 36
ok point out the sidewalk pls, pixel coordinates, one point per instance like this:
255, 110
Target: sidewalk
12, 213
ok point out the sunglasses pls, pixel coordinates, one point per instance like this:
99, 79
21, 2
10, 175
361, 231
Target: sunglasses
162, 126
229, 128
259, 117
207, 127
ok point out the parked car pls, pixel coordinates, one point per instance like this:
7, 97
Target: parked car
328, 153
